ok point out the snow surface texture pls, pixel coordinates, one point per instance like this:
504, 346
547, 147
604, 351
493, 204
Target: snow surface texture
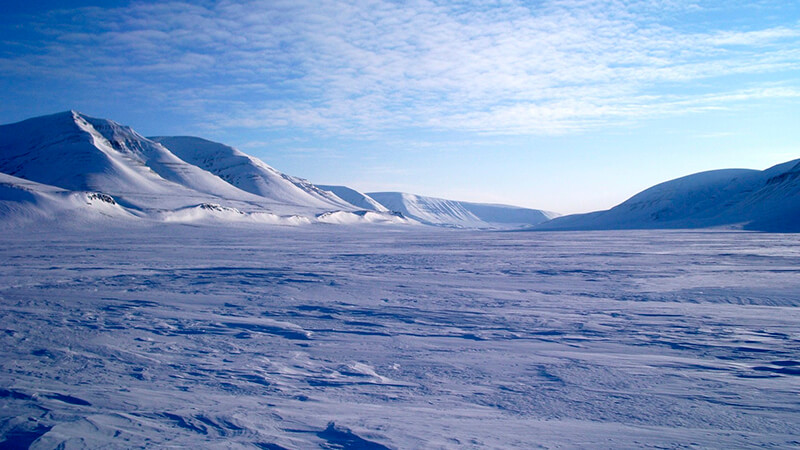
766, 200
169, 335
455, 214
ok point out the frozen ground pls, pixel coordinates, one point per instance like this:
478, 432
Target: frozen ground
323, 337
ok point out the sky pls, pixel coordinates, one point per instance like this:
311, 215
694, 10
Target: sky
564, 105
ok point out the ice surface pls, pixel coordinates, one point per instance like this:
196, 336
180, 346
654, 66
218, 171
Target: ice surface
169, 335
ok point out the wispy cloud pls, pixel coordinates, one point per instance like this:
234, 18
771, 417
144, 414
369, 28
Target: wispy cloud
367, 66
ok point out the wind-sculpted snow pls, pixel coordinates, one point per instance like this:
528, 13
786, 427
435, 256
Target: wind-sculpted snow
364, 217
316, 337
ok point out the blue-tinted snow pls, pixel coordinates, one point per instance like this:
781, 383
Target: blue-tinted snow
172, 335
767, 200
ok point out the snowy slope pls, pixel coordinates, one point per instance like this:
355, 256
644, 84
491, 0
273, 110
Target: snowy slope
355, 198
62, 162
761, 200
76, 152
507, 214
23, 201
776, 205
249, 173
456, 214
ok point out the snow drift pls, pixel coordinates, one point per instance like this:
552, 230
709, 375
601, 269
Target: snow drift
364, 217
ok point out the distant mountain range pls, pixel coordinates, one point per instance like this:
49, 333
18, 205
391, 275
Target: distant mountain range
451, 213
72, 166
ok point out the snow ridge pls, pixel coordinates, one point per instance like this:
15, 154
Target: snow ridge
354, 197
249, 173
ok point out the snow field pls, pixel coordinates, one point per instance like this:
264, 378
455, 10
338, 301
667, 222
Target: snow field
178, 335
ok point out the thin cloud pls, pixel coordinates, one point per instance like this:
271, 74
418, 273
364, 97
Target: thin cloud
370, 66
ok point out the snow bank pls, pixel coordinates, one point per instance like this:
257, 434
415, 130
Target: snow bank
364, 217
215, 213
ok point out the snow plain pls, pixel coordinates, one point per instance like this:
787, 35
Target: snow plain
323, 336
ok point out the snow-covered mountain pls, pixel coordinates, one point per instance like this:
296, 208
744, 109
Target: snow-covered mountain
352, 196
456, 214
249, 173
766, 200
48, 162
69, 165
79, 153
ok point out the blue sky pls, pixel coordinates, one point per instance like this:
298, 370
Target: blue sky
570, 105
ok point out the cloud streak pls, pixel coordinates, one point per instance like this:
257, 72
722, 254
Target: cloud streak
369, 66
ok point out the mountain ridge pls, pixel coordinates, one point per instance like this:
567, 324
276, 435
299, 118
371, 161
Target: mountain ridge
459, 214
65, 162
75, 159
767, 200
249, 173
